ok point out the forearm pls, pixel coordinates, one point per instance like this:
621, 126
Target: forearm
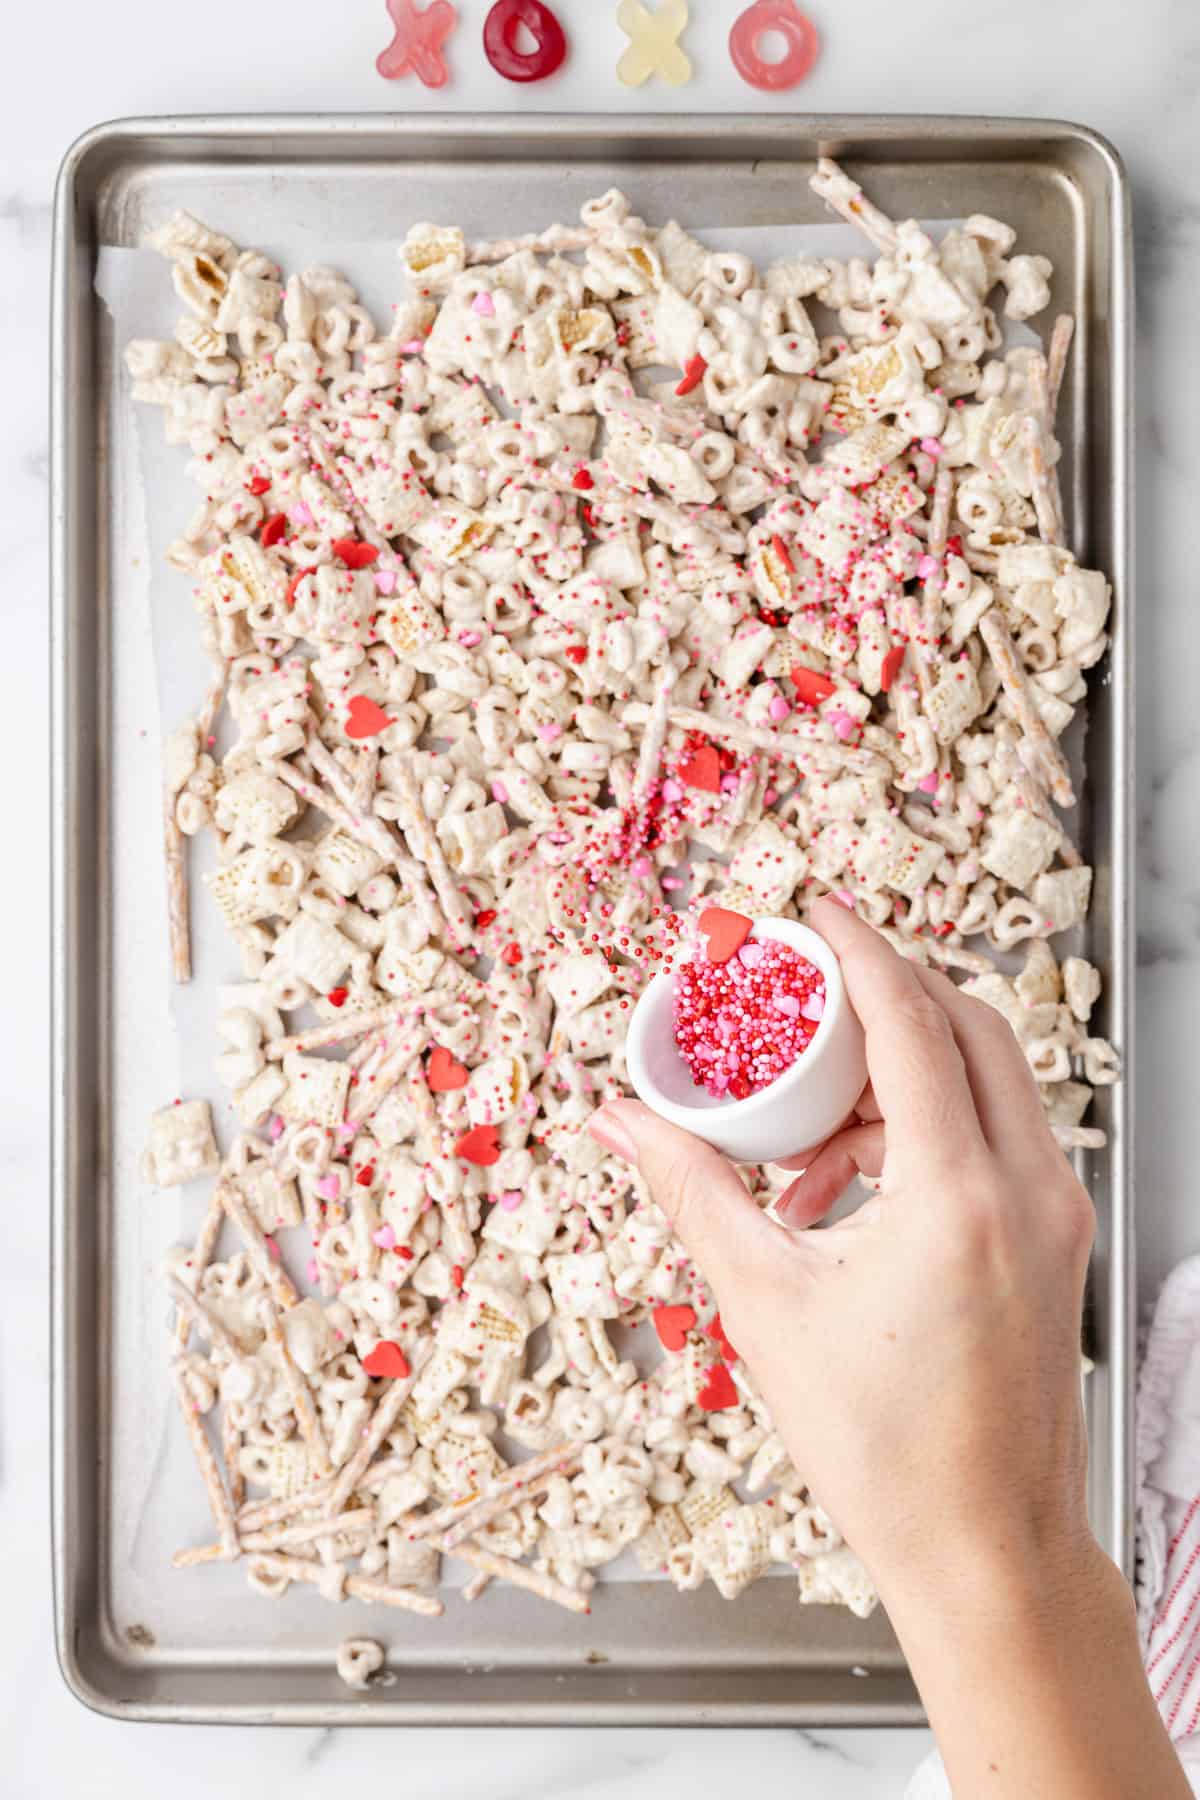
1035, 1687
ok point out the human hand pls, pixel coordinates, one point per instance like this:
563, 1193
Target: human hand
921, 1357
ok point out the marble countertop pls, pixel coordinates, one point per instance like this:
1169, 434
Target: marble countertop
1134, 75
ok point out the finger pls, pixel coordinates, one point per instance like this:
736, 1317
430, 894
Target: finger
709, 1208
916, 1068
858, 1151
866, 1112
1007, 1101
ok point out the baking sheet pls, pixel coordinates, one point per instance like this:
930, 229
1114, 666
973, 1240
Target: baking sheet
162, 1644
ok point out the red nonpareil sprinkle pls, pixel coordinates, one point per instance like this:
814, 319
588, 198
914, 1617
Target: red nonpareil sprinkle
294, 584
511, 954
694, 372
783, 553
740, 1024
457, 1276
954, 546
582, 481
338, 996
258, 485
480, 1145
485, 918
892, 664
812, 688
274, 529
354, 554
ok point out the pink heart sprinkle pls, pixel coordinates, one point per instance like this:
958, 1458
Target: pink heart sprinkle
729, 784
778, 710
413, 347
671, 790
931, 447
770, 797
930, 784
346, 1132
671, 882
469, 639
844, 726
640, 866
813, 1008
273, 1247
484, 305
276, 1128
750, 955
510, 1199
548, 733
311, 1271
845, 898
499, 792
385, 581
928, 565
327, 1187
788, 1005
300, 514
384, 1238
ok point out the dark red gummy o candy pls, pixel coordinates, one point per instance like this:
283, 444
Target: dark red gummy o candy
801, 34
500, 40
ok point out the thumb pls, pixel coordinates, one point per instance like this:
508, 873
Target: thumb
710, 1209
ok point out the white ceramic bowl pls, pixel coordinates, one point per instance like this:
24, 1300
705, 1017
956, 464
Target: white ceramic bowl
808, 1101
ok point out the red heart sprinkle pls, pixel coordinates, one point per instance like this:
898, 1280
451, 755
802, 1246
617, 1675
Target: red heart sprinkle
577, 653
718, 1393
338, 996
387, 1359
511, 954
354, 554
457, 1276
812, 688
694, 372
294, 584
782, 552
442, 1073
365, 719
274, 529
485, 918
366, 1175
716, 1331
725, 932
480, 1145
672, 1324
582, 481
891, 667
701, 768
258, 485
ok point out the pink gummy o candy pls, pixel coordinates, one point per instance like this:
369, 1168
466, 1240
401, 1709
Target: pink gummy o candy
417, 44
500, 40
801, 34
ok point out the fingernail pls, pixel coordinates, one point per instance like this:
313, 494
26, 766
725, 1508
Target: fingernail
608, 1130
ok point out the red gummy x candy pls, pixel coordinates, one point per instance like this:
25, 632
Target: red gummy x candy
417, 44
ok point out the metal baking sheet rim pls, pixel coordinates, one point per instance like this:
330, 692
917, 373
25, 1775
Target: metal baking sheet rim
113, 1685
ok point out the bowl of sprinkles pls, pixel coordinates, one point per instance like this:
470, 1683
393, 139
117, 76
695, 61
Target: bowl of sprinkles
750, 1043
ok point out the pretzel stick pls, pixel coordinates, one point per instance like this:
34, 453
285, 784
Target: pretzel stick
453, 1514
1049, 523
231, 1443
1033, 795
358, 1587
995, 635
423, 842
654, 736
1056, 361
202, 1255
477, 1585
206, 1462
482, 1514
321, 1036
177, 891
383, 1420
365, 776
845, 197
785, 746
505, 1569
206, 1321
269, 1271
543, 243
298, 1389
939, 527
273, 1512
288, 1537
373, 1089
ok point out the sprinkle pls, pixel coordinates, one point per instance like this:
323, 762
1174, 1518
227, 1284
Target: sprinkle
510, 1200
384, 1238
928, 565
742, 1023
327, 1187
778, 710
930, 784
931, 447
385, 581
694, 372
548, 733
300, 514
276, 1128
671, 791
484, 306
500, 792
